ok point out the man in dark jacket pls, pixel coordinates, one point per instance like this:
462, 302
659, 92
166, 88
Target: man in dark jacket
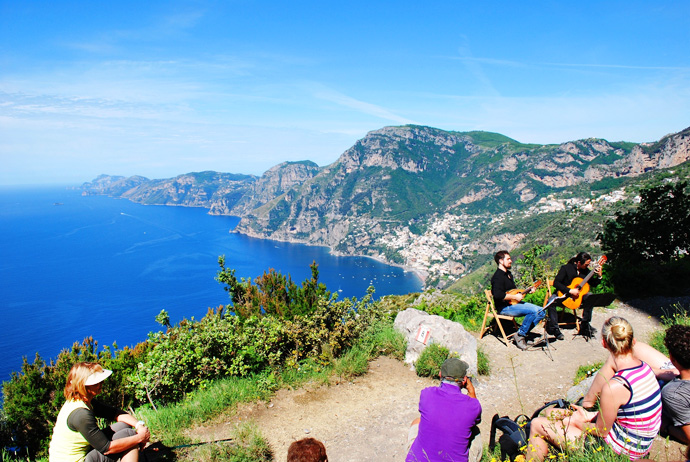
577, 267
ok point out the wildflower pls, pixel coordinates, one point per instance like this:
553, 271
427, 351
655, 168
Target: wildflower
599, 449
522, 449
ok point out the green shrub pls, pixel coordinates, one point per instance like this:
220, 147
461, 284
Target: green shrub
430, 360
192, 354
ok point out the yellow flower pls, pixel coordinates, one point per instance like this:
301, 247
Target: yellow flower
552, 456
522, 449
599, 448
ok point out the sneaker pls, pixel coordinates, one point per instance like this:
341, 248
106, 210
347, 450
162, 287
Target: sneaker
520, 342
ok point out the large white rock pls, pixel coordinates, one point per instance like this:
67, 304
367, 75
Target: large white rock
452, 335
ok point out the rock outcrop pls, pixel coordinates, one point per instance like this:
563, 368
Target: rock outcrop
422, 329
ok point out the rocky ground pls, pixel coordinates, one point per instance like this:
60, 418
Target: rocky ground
367, 419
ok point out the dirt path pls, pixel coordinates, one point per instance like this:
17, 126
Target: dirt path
367, 419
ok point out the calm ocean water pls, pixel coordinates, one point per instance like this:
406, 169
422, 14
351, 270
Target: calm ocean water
73, 267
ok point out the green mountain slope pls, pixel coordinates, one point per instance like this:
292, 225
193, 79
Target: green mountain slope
439, 202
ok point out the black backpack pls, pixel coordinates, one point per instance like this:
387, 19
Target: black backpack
515, 432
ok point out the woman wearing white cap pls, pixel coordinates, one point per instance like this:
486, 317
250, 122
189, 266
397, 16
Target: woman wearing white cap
76, 436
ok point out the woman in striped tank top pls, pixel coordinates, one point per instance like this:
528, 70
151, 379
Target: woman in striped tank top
629, 414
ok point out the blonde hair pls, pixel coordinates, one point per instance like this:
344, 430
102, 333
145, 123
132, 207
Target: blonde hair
618, 335
75, 388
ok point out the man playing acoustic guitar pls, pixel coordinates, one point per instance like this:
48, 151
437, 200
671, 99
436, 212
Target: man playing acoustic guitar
501, 284
577, 268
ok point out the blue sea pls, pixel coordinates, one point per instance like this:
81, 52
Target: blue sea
74, 266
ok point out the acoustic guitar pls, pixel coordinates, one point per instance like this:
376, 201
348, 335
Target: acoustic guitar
580, 283
523, 291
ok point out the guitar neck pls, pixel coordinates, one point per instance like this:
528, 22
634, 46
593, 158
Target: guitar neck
584, 281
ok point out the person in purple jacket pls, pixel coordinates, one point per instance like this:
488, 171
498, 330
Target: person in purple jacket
448, 427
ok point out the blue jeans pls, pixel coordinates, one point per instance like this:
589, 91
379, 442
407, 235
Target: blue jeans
532, 313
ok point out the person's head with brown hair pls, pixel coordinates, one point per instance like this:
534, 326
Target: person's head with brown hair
500, 255
617, 335
307, 450
677, 341
82, 378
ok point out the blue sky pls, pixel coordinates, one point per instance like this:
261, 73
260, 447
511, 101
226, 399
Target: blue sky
164, 88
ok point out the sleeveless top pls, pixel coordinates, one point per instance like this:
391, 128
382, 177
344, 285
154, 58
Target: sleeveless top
66, 445
638, 421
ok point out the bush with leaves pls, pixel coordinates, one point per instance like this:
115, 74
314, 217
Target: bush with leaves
193, 353
272, 293
647, 247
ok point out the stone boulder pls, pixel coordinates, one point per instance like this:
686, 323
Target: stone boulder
421, 329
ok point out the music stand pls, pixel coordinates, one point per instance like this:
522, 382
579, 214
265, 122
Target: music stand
545, 344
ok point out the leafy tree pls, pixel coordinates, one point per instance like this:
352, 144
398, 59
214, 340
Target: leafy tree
272, 293
658, 230
28, 405
647, 247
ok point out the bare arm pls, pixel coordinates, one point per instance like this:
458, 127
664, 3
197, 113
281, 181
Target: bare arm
613, 395
123, 444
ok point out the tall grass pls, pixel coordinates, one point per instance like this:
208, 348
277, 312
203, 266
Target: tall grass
483, 363
247, 445
430, 360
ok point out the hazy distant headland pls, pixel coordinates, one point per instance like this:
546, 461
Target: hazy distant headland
439, 202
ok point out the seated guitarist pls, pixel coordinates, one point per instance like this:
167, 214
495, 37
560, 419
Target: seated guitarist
577, 267
501, 283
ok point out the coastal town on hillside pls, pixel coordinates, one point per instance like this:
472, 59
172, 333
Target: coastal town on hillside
438, 254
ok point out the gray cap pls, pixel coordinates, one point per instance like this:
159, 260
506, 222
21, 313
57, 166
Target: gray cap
455, 368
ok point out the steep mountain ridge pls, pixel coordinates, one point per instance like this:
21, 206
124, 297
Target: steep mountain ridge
417, 196
197, 189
